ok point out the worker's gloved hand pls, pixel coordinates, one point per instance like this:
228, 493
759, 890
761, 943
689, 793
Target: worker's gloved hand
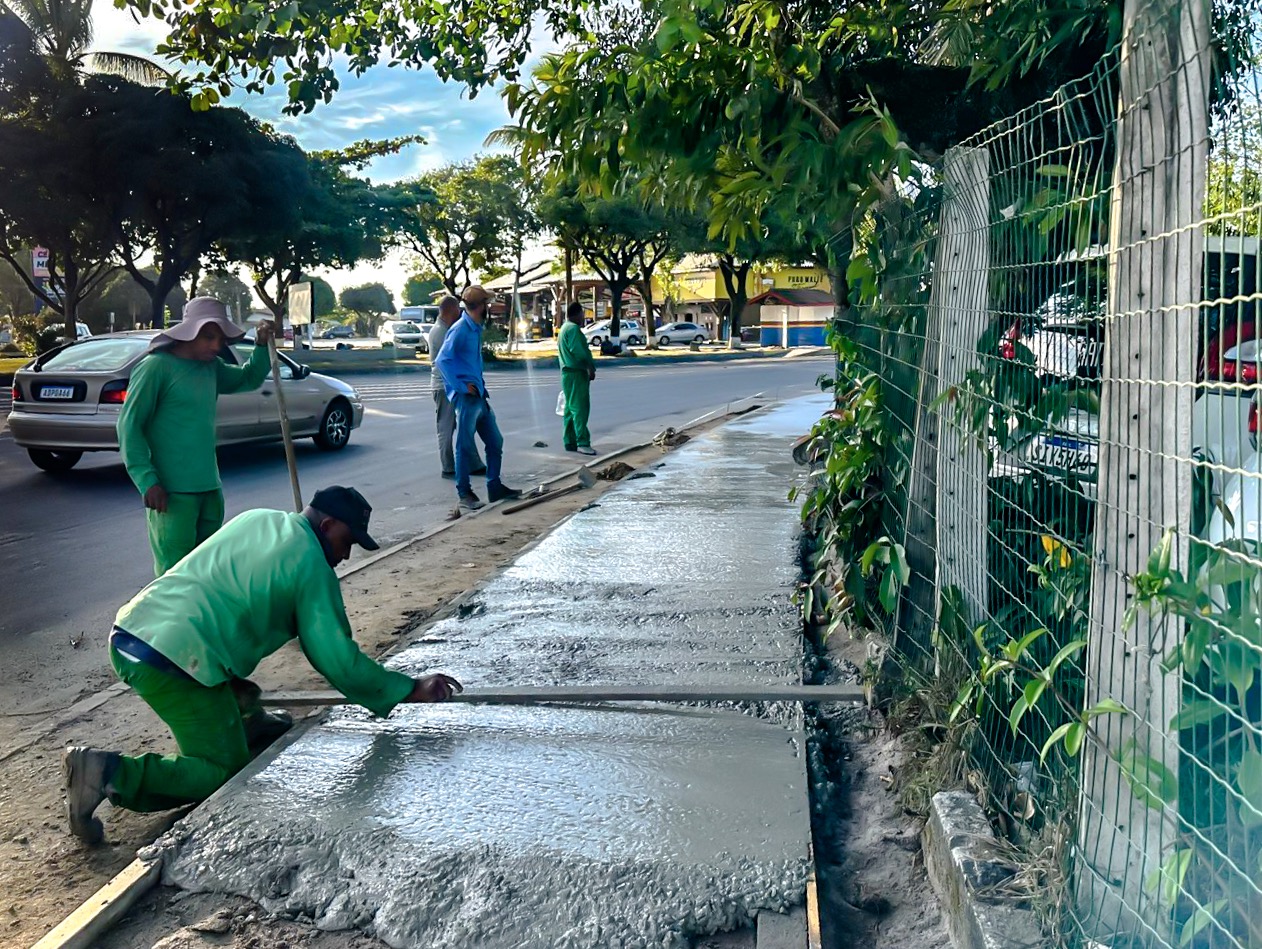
156, 499
435, 688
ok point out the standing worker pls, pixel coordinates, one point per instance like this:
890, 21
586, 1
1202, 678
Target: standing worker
578, 370
265, 578
460, 362
444, 408
166, 429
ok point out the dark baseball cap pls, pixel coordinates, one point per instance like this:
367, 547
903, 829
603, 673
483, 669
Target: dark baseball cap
348, 506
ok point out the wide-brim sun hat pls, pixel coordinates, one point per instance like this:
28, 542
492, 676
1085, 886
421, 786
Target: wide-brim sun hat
476, 294
197, 313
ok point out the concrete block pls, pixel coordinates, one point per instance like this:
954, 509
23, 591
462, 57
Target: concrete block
962, 858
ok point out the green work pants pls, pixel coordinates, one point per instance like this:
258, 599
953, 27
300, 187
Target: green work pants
189, 520
578, 407
207, 726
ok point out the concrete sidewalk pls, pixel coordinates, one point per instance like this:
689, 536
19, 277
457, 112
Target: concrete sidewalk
559, 826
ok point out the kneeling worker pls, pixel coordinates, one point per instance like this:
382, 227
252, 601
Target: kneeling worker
261, 580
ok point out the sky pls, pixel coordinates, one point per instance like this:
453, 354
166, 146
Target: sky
383, 103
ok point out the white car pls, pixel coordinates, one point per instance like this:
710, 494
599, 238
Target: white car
630, 331
682, 333
400, 333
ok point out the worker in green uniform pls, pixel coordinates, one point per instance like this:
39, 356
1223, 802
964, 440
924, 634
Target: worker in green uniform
578, 369
166, 429
266, 577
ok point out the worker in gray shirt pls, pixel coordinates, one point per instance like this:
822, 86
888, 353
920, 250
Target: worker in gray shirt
444, 409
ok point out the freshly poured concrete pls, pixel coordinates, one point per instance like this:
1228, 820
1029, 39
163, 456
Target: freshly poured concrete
464, 826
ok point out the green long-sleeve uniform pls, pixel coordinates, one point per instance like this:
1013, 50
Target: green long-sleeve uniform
577, 366
260, 581
166, 432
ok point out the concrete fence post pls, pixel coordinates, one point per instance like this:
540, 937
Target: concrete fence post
958, 316
1145, 474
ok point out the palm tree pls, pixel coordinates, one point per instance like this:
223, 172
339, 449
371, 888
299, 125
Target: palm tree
61, 31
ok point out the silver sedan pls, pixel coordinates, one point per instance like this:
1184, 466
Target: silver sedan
67, 401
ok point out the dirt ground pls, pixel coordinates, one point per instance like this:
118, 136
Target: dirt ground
45, 873
873, 889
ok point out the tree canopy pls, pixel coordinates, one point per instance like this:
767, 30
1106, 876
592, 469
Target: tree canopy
420, 289
454, 218
369, 299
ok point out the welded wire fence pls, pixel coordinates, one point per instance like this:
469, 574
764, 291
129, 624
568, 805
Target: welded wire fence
1063, 318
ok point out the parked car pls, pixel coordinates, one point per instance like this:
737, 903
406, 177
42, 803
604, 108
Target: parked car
682, 333
338, 332
400, 333
66, 402
1065, 335
630, 331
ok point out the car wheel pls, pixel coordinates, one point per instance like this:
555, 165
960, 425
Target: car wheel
335, 427
663, 341
594, 341
634, 341
698, 338
54, 461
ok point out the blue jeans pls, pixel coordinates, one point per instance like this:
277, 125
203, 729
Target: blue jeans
474, 417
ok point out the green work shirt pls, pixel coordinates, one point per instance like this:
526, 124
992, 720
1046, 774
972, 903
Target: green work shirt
258, 582
166, 430
573, 350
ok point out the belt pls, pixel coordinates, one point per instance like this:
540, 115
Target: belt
137, 650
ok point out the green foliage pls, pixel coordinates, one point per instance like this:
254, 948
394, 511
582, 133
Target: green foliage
331, 219
420, 289
229, 289
1211, 876
323, 299
369, 299
35, 334
859, 569
463, 215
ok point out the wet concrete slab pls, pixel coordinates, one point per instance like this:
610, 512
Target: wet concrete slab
558, 827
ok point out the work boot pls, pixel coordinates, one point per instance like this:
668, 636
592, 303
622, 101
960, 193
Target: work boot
499, 491
263, 726
86, 773
470, 503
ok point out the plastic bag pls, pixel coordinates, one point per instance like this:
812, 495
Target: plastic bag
561, 403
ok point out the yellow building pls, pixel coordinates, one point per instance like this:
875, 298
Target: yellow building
696, 289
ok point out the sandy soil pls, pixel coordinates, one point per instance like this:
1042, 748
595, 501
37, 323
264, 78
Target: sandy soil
45, 874
873, 889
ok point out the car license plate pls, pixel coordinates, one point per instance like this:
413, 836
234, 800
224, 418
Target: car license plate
57, 392
1065, 454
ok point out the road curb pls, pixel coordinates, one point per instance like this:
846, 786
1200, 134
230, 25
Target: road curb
963, 860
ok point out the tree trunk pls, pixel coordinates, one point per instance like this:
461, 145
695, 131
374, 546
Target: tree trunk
650, 321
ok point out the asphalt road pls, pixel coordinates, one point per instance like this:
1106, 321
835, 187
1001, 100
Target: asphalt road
73, 546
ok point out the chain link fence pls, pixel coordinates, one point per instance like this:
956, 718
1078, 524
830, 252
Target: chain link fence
1059, 325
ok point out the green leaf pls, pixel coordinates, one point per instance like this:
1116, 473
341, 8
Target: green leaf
890, 587
1076, 646
1168, 879
1105, 707
1018, 712
1073, 738
1052, 739
1197, 712
1203, 916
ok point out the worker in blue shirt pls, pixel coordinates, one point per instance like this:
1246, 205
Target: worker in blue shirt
460, 362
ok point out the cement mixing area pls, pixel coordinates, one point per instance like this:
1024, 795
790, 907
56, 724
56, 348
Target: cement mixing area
683, 823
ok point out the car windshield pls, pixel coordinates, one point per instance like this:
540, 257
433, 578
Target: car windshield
403, 327
97, 355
